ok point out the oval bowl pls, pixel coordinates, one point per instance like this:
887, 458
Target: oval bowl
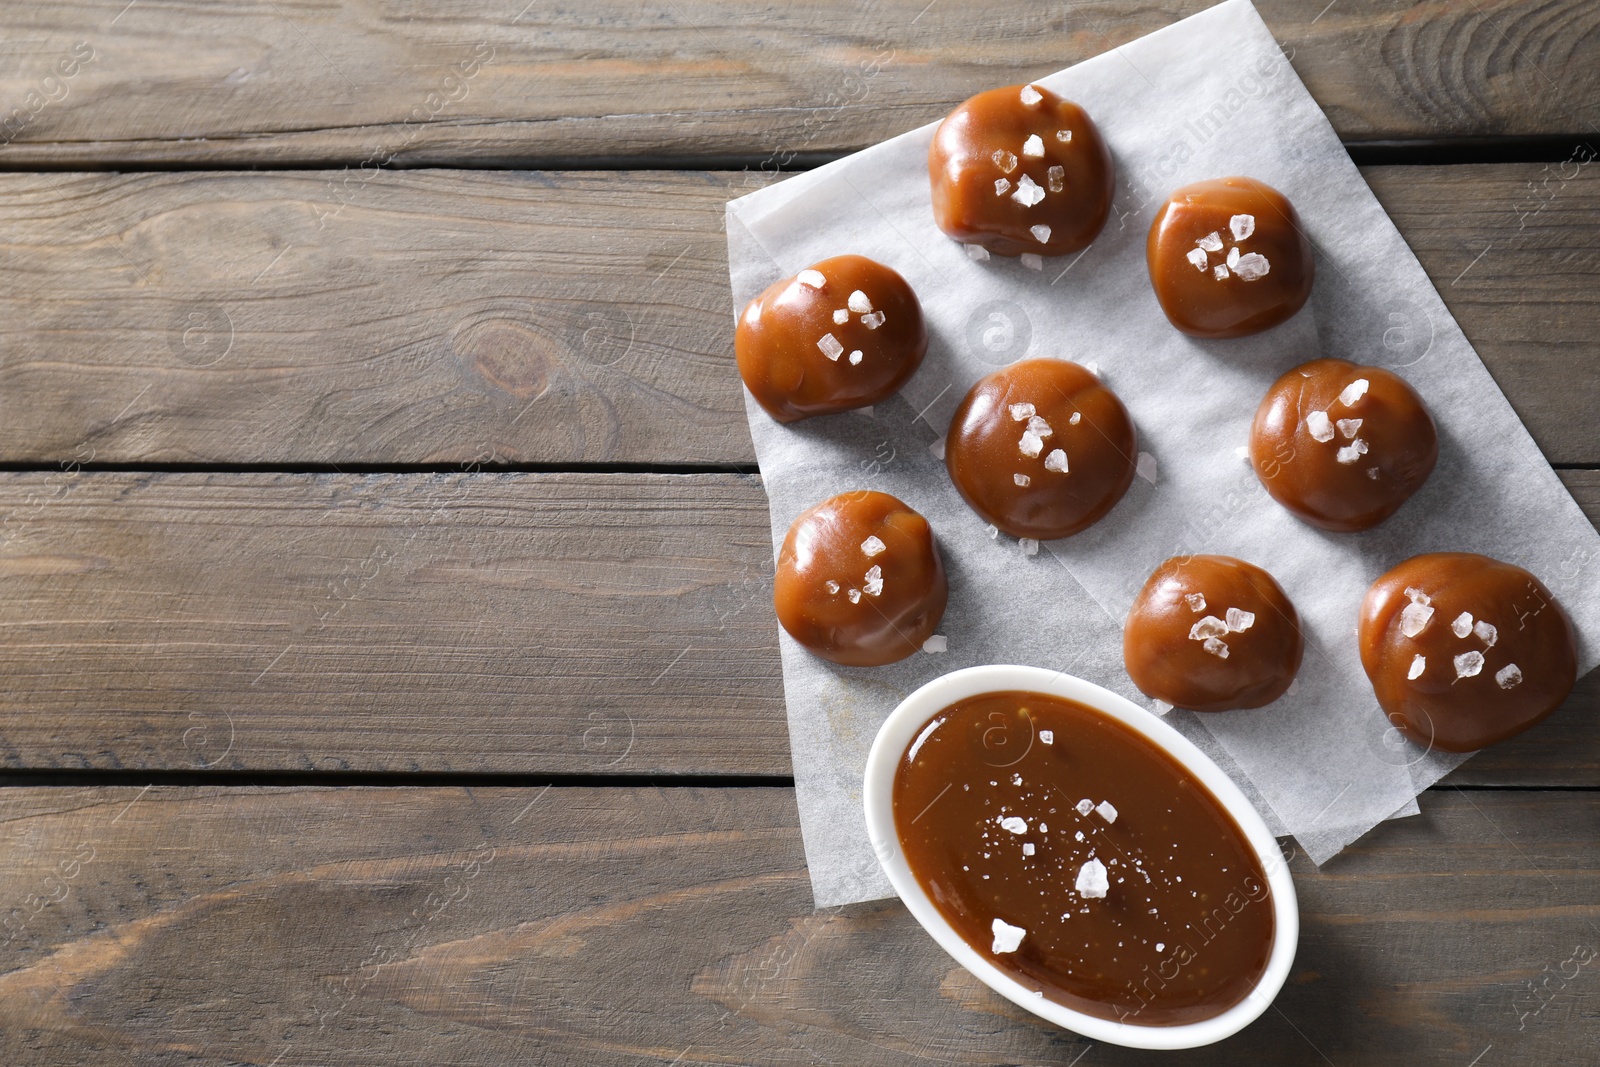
878, 792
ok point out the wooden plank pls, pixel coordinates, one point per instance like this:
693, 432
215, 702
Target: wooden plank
466, 622
627, 926
471, 622
450, 317
499, 82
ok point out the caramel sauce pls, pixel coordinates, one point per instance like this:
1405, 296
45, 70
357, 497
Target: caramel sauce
987, 808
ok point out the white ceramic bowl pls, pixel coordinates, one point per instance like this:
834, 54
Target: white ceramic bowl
897, 732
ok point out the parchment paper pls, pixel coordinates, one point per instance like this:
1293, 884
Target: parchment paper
1210, 96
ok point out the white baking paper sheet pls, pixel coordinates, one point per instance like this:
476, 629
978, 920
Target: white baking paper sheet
1207, 97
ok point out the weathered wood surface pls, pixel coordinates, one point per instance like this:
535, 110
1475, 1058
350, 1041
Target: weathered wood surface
452, 317
468, 622
642, 926
506, 81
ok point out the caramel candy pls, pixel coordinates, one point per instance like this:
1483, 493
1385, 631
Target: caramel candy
844, 333
1020, 170
1228, 257
859, 580
1041, 448
1212, 633
1342, 446
1464, 651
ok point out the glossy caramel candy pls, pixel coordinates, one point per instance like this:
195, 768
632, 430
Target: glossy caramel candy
1342, 446
844, 333
1041, 448
1465, 651
859, 580
1020, 170
1228, 257
1212, 633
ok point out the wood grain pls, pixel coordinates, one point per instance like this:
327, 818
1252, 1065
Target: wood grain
626, 926
451, 317
609, 624
502, 82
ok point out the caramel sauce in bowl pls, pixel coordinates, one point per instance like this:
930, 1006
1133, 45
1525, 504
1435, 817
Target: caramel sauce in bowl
1079, 882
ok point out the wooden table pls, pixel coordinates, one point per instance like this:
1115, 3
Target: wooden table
389, 668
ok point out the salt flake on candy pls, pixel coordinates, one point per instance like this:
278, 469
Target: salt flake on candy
1216, 647
1196, 601
1468, 664
1033, 146
859, 303
1198, 258
1208, 627
1349, 427
1414, 618
1031, 96
1419, 663
1030, 445
872, 546
1487, 633
1092, 881
1240, 621
830, 346
1006, 936
1461, 625
1242, 226
1508, 676
1039, 427
813, 278
1056, 461
1041, 233
1211, 242
1353, 392
1319, 426
1251, 266
1022, 480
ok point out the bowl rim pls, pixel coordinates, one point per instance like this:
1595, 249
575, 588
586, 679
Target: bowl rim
916, 709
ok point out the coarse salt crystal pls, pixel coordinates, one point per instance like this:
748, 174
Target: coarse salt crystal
1033, 146
1242, 226
1146, 467
1419, 663
937, 448
812, 278
1219, 273
1019, 412
1160, 947
1319, 426
841, 316
855, 357
830, 346
1029, 546
1092, 881
1216, 647
1041, 233
1064, 136
977, 253
1037, 425
854, 595
1240, 621
1414, 618
874, 581
1002, 186
1461, 625
1352, 451
872, 546
1252, 265
935, 644
859, 302
1056, 179
1006, 936
1210, 626
1198, 257
1028, 192
1233, 257
1468, 664
872, 321
1161, 707
1486, 633
1211, 242
1006, 161
1353, 392
992, 530
1077, 416
1022, 480
1508, 676
1196, 601
1092, 367
1243, 452
1056, 461
1030, 95
1027, 848
1107, 812
831, 586
1032, 261
1085, 806
1417, 596
1014, 824
1047, 736
1349, 427
1030, 445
